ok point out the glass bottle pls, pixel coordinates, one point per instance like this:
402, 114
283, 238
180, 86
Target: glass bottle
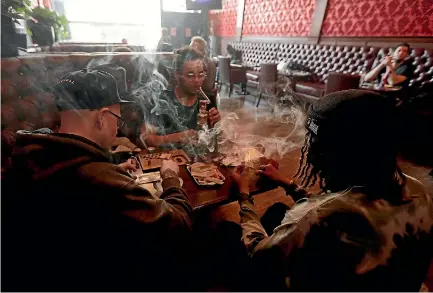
202, 114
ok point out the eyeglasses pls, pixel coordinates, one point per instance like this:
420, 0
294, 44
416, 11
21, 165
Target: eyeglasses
120, 120
192, 76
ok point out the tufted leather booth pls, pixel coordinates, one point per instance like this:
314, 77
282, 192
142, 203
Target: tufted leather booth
323, 59
26, 99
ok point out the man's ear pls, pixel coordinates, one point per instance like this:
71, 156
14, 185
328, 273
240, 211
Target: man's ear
100, 119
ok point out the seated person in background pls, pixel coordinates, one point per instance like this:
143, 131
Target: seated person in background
393, 70
199, 44
74, 221
124, 41
174, 116
235, 55
164, 44
372, 227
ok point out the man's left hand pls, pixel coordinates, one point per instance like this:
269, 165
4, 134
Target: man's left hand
214, 116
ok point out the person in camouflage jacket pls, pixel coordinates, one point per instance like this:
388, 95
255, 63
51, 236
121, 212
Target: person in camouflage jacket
372, 227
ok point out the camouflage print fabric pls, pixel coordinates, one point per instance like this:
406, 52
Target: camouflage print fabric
344, 241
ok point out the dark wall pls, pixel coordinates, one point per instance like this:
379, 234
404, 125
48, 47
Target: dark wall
181, 21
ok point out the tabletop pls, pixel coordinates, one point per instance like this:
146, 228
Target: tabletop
211, 196
376, 88
202, 197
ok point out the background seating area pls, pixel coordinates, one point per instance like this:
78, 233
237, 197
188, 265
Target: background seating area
323, 59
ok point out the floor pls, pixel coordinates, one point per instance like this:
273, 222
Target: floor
265, 123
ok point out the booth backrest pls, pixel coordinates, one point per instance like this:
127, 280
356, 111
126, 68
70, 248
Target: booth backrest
254, 54
27, 102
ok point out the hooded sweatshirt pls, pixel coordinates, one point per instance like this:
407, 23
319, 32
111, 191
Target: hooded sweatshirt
73, 221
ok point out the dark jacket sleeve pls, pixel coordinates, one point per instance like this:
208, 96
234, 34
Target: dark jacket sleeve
157, 232
171, 211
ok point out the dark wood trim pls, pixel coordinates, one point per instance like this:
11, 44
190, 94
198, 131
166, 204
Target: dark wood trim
318, 17
240, 19
282, 40
416, 42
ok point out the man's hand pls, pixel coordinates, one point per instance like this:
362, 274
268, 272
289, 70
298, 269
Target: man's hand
386, 61
169, 166
241, 179
214, 116
188, 135
129, 165
272, 173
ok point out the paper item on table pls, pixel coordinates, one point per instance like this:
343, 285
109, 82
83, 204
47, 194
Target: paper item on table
148, 177
206, 174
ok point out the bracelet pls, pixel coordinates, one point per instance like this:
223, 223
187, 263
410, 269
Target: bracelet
247, 195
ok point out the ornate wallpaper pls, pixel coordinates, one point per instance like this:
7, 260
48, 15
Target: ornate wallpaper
378, 18
278, 17
224, 20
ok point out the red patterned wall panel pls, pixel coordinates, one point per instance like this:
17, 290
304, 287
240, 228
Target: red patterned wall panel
278, 17
370, 18
224, 20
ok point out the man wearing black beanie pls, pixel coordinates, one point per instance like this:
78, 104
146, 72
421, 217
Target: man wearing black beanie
372, 227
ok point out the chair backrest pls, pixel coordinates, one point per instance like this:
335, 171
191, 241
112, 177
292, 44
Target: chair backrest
340, 81
268, 76
224, 69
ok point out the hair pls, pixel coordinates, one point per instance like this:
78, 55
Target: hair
309, 172
345, 154
403, 45
122, 49
198, 39
185, 54
164, 30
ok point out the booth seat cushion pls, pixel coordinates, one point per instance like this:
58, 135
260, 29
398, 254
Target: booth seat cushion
253, 75
310, 88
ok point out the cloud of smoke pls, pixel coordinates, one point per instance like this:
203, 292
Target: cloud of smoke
284, 130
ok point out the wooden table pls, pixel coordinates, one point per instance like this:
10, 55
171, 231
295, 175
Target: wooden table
211, 196
202, 197
375, 88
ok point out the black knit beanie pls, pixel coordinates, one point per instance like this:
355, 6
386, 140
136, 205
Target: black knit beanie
353, 115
